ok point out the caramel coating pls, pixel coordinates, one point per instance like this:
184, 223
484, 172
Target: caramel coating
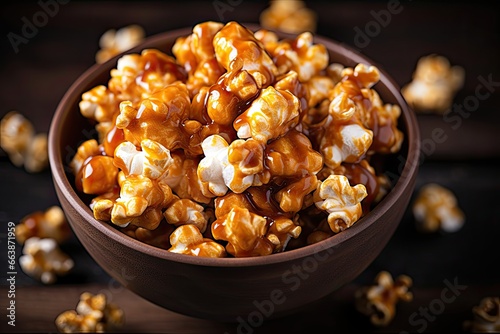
379, 300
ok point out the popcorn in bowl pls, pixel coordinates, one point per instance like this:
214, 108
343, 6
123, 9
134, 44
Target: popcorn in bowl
237, 145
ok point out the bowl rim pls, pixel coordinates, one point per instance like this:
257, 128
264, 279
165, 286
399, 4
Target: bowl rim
66, 189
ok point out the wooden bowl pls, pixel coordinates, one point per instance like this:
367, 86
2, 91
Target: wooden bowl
224, 289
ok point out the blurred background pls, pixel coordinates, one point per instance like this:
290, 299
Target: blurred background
39, 65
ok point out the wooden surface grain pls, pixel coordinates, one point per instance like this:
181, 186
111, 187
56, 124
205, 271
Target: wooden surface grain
34, 79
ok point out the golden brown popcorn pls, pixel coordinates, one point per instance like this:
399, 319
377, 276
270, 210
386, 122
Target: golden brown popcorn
23, 146
236, 166
138, 76
159, 237
281, 231
152, 161
379, 300
141, 202
185, 211
343, 138
271, 114
99, 104
97, 175
187, 239
244, 231
242, 131
436, 208
435, 83
363, 173
341, 201
292, 156
49, 224
300, 55
196, 53
102, 205
43, 260
93, 315
486, 316
290, 82
319, 88
183, 178
86, 150
229, 95
158, 117
291, 197
237, 48
114, 42
290, 16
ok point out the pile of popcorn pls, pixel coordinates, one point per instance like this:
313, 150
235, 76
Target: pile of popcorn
241, 144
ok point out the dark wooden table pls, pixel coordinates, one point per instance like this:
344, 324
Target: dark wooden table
34, 79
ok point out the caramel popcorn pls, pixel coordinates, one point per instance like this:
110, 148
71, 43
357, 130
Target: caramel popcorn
236, 166
187, 239
435, 83
49, 224
240, 144
43, 260
379, 300
93, 314
113, 42
151, 161
486, 316
23, 146
269, 116
185, 211
244, 231
342, 202
290, 16
436, 208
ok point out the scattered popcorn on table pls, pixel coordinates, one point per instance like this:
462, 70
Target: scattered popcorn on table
486, 316
43, 260
114, 42
435, 83
290, 16
22, 145
379, 300
436, 208
93, 315
49, 224
240, 145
